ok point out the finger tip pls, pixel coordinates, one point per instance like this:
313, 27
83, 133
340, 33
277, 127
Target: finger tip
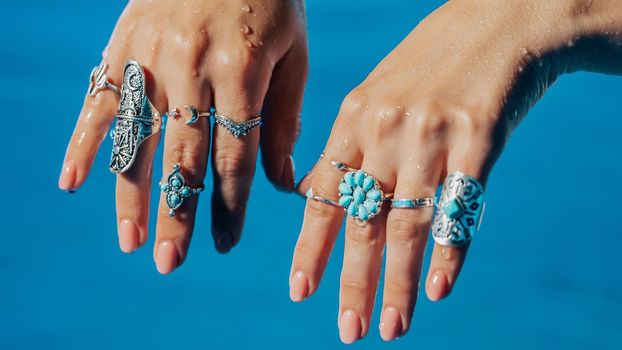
299, 287
67, 179
223, 240
166, 257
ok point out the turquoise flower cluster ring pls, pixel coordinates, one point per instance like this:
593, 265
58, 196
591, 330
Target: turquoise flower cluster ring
360, 195
176, 190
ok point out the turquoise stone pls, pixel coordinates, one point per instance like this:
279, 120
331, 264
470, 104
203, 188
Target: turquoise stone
359, 196
185, 191
453, 208
349, 179
352, 210
164, 187
371, 207
344, 188
175, 183
175, 199
345, 201
359, 177
309, 193
369, 183
374, 195
363, 214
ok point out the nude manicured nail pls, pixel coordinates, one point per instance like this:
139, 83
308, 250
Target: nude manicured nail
166, 257
128, 236
288, 173
390, 323
67, 178
349, 327
298, 287
438, 286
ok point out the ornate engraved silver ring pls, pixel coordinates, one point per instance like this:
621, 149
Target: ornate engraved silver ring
176, 190
237, 129
459, 211
98, 81
136, 120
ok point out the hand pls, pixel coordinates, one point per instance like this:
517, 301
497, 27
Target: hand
445, 100
243, 58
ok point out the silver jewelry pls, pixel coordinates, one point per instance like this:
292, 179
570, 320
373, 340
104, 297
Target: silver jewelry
99, 80
405, 203
194, 114
136, 120
310, 195
460, 210
176, 190
236, 129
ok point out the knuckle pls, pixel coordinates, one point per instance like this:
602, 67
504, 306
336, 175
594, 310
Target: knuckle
355, 289
364, 234
231, 163
187, 155
319, 209
402, 288
353, 103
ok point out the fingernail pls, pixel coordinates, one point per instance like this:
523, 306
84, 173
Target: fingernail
223, 240
390, 323
166, 258
438, 285
128, 236
288, 173
67, 178
298, 287
349, 327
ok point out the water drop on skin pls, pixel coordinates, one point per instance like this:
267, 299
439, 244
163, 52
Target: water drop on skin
245, 29
246, 8
249, 44
195, 73
523, 50
344, 145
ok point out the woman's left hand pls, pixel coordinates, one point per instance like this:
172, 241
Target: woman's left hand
444, 100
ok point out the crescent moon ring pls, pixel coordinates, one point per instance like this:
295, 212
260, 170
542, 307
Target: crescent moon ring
195, 115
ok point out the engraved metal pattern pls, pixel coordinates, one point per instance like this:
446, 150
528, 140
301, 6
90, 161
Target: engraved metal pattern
237, 129
136, 120
98, 81
406, 203
176, 190
460, 210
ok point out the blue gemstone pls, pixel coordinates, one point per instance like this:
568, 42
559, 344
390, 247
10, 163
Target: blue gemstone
359, 177
453, 208
359, 196
363, 214
164, 187
352, 210
349, 179
374, 195
185, 192
371, 207
174, 199
369, 183
344, 188
175, 183
345, 201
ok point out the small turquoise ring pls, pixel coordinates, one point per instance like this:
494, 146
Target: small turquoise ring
404, 203
360, 193
176, 190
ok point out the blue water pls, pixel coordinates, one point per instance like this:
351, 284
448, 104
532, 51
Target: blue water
543, 273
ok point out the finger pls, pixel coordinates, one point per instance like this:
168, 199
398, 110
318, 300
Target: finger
322, 221
362, 260
407, 231
281, 117
133, 187
240, 84
91, 128
474, 157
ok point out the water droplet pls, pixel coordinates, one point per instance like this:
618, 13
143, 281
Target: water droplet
520, 68
407, 114
246, 8
523, 50
195, 73
245, 29
249, 44
259, 43
345, 144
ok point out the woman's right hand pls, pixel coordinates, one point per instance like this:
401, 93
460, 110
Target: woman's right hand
242, 57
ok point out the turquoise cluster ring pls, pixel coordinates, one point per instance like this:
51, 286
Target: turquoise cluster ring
459, 211
359, 193
176, 190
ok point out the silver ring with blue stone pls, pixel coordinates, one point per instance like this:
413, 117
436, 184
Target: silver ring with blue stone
359, 193
460, 210
415, 203
176, 190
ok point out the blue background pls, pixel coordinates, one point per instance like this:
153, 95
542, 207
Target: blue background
544, 271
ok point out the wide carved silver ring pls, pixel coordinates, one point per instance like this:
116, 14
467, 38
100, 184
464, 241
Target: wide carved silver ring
136, 120
459, 211
237, 129
98, 81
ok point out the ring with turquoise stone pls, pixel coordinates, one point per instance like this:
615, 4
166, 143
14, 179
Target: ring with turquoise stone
406, 203
459, 211
359, 193
176, 190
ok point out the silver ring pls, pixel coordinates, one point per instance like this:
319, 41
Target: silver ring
236, 129
310, 195
136, 120
98, 81
405, 203
176, 190
460, 210
194, 114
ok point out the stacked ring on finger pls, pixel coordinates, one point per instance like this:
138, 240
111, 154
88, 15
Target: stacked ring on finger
136, 120
98, 81
194, 114
234, 128
176, 190
460, 210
